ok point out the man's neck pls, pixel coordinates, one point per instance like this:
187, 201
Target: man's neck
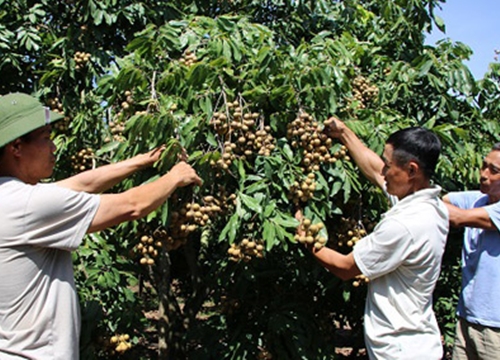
417, 186
493, 199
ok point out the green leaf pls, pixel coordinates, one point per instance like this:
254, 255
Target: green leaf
229, 231
347, 296
439, 23
236, 50
206, 105
101, 280
337, 185
288, 152
425, 67
164, 213
268, 210
241, 169
286, 221
269, 234
255, 187
226, 24
151, 216
226, 49
250, 202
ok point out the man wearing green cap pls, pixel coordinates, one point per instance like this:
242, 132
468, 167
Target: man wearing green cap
42, 223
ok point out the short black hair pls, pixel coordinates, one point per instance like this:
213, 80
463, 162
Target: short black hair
496, 147
416, 144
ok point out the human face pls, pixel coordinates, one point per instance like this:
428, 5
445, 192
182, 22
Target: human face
490, 176
397, 177
38, 155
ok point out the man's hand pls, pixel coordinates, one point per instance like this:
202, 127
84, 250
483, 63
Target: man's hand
341, 265
334, 127
185, 175
150, 158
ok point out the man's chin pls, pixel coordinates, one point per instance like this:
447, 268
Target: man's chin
48, 174
390, 192
484, 189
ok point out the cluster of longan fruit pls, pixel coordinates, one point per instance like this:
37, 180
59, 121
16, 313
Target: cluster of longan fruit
350, 232
219, 121
120, 343
57, 107
363, 92
227, 121
148, 249
81, 59
309, 234
246, 250
303, 191
188, 58
83, 160
116, 128
264, 141
161, 237
243, 137
129, 100
62, 125
192, 216
360, 280
306, 133
227, 156
117, 125
341, 154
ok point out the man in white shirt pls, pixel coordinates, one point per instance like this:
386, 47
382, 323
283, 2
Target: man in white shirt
42, 223
402, 256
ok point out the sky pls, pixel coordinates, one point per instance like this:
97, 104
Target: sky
474, 23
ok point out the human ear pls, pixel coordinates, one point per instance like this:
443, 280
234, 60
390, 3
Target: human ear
412, 168
15, 147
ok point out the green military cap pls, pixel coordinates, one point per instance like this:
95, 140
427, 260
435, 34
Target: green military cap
20, 114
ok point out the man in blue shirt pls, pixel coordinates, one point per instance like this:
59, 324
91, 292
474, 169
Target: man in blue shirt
478, 328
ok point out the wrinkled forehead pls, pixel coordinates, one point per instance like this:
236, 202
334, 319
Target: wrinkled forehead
41, 131
388, 152
493, 158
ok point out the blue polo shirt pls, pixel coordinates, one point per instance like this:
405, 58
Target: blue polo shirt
479, 299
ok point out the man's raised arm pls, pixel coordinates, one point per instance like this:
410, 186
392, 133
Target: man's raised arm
369, 162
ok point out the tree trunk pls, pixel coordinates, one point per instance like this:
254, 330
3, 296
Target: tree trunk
170, 324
